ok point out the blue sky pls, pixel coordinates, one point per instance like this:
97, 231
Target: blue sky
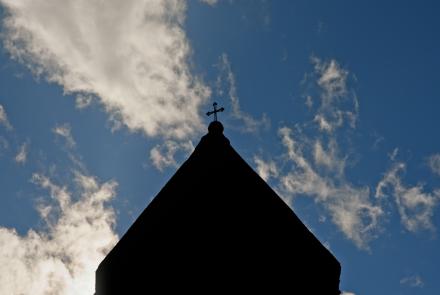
334, 103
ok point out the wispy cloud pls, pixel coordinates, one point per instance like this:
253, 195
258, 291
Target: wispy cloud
164, 155
4, 118
83, 100
266, 169
393, 154
415, 206
209, 2
65, 132
327, 157
21, 156
62, 258
434, 163
350, 207
338, 104
248, 122
77, 232
313, 164
309, 101
332, 79
414, 281
133, 56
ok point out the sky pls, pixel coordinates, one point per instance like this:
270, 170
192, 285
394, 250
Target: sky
334, 103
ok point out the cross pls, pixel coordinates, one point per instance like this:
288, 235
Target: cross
215, 111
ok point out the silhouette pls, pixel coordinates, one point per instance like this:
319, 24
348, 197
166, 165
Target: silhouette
217, 227
215, 111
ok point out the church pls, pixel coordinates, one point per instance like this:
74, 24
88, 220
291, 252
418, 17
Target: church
217, 227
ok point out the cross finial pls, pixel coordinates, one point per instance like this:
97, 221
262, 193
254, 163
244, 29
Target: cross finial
215, 111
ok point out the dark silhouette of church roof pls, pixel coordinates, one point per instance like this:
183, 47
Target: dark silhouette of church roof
216, 226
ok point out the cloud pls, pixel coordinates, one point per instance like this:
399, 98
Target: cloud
338, 104
4, 118
393, 154
328, 158
347, 293
414, 281
249, 123
434, 163
309, 101
350, 207
132, 56
210, 2
65, 132
82, 101
313, 164
164, 155
21, 156
266, 169
62, 258
416, 207
332, 79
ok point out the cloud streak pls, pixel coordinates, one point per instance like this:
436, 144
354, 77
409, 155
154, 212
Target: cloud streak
65, 132
4, 118
350, 207
313, 164
164, 155
415, 206
21, 156
209, 2
226, 80
414, 281
132, 56
434, 163
337, 104
266, 169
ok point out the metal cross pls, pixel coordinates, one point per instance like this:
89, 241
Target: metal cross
215, 111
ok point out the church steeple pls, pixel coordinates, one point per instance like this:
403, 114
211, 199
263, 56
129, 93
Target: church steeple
217, 227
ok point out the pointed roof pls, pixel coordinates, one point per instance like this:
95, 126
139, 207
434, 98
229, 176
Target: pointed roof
216, 225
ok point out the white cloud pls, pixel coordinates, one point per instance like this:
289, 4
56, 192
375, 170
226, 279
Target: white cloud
309, 101
266, 169
82, 101
249, 123
313, 165
65, 132
328, 158
393, 154
416, 207
338, 105
323, 124
434, 163
414, 281
332, 79
347, 293
164, 155
21, 156
350, 207
132, 55
62, 258
209, 2
4, 118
